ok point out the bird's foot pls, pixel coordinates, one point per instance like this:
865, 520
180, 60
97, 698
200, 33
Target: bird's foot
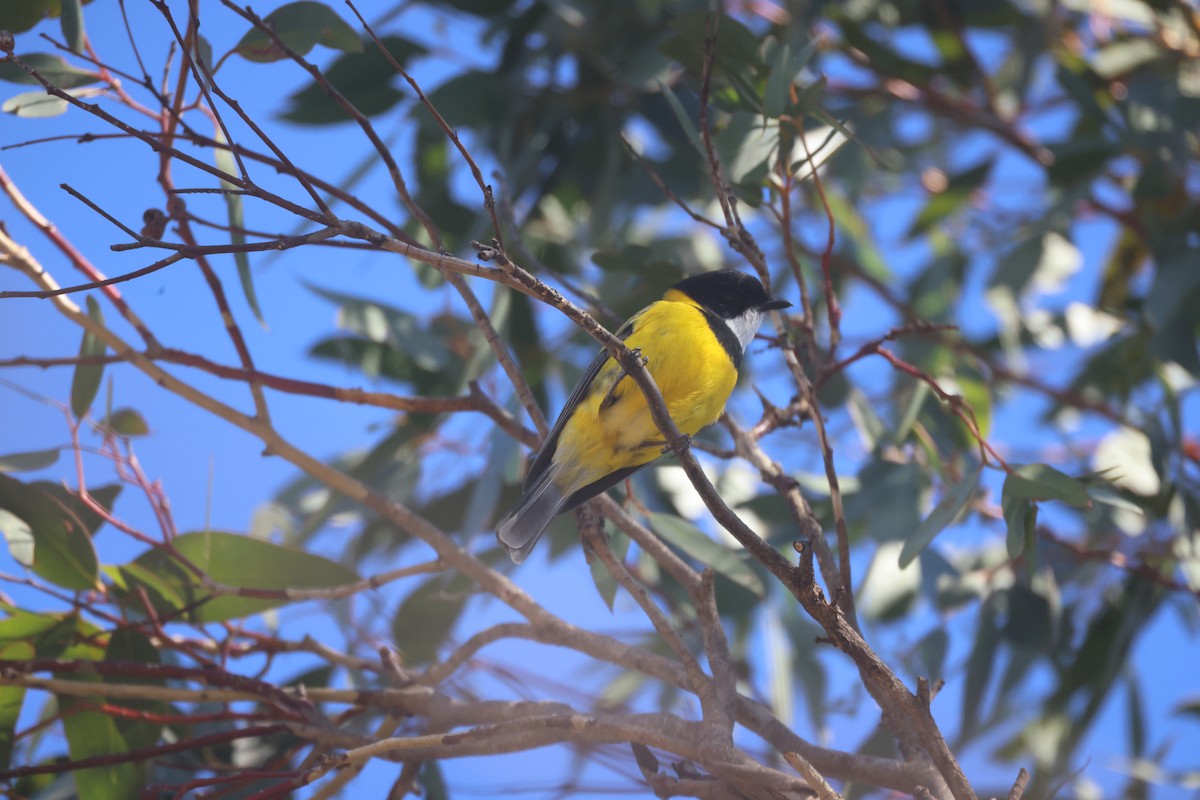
685, 441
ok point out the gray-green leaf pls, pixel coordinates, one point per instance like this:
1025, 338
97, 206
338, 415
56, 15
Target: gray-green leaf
942, 515
28, 461
300, 26
693, 541
1042, 482
86, 381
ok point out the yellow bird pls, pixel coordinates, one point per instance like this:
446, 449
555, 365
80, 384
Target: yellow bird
692, 342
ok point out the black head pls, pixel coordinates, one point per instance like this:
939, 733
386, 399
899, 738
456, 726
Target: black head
729, 293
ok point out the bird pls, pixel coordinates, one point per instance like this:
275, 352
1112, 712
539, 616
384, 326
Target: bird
692, 342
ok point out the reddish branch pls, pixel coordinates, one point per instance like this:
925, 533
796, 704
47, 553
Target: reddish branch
476, 400
832, 307
76, 258
843, 588
143, 753
958, 406
125, 712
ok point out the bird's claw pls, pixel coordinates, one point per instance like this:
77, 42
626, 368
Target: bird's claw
685, 441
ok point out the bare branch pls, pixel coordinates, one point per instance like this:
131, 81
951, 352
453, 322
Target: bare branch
1018, 788
812, 777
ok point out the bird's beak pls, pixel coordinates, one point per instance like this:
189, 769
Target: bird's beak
775, 303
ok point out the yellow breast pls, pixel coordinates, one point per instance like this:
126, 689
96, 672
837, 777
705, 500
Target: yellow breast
612, 428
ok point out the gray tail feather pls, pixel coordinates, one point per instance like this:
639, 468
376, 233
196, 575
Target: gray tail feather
520, 530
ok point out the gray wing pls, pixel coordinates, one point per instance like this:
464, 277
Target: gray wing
598, 487
550, 445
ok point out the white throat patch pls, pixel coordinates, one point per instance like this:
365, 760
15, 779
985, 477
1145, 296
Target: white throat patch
746, 325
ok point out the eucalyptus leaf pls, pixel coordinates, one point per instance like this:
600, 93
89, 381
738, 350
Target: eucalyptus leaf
86, 382
432, 781
19, 537
365, 79
126, 422
684, 119
71, 18
940, 517
950, 199
1043, 482
62, 551
54, 68
980, 662
231, 560
775, 94
300, 26
36, 104
1020, 517
236, 213
104, 496
30, 461
92, 733
1028, 623
605, 583
695, 543
427, 616
11, 699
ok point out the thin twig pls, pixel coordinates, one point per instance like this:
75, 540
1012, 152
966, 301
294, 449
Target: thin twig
359, 118
489, 200
814, 779
1018, 788
720, 663
597, 543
